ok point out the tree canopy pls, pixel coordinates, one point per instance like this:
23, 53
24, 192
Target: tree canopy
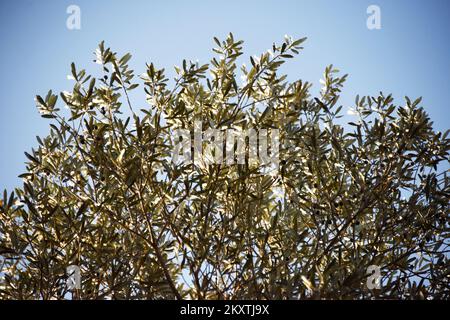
101, 190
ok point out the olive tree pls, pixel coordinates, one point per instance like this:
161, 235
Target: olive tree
101, 190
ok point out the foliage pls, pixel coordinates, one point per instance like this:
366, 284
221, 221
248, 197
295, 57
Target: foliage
101, 192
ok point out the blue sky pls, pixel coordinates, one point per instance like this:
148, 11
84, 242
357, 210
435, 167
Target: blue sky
408, 56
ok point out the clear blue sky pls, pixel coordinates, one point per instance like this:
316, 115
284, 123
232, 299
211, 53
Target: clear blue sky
409, 56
